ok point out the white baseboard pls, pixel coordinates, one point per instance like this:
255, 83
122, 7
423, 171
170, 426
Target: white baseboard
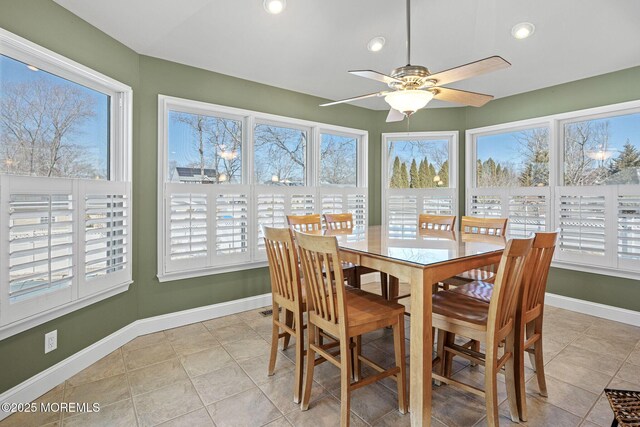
594, 309
44, 381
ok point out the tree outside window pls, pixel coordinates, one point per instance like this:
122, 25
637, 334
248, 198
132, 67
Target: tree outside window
418, 163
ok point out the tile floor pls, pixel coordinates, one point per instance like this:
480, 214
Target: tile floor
214, 374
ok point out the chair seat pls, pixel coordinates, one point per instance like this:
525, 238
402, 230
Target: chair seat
471, 276
479, 290
365, 307
460, 307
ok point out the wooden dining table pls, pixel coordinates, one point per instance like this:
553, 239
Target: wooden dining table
420, 258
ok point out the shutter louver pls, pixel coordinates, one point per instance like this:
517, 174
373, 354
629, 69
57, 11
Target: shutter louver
629, 230
438, 205
357, 206
402, 216
271, 212
106, 225
232, 224
527, 214
302, 204
40, 244
582, 224
332, 203
486, 206
188, 226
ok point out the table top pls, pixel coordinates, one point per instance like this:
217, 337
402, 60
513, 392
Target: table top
421, 248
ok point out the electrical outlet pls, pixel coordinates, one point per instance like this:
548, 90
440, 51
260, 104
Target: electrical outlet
51, 341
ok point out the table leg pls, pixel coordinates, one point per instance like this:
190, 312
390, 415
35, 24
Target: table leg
421, 348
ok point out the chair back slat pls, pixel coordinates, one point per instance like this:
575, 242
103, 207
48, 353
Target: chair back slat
436, 222
504, 301
536, 270
489, 226
339, 221
305, 223
323, 277
283, 264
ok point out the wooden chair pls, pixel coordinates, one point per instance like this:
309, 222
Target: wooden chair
489, 227
346, 315
344, 221
436, 222
287, 294
493, 323
530, 311
313, 224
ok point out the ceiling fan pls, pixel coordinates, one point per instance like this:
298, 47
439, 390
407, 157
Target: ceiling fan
413, 86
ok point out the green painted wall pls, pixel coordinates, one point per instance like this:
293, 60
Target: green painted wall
46, 23
596, 91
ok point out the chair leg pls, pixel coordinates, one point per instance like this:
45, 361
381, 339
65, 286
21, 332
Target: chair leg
308, 380
394, 287
518, 360
448, 356
384, 285
510, 378
491, 386
356, 278
345, 383
442, 336
538, 356
398, 345
288, 320
357, 351
275, 331
297, 392
475, 346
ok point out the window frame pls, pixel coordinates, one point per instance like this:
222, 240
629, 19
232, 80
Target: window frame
83, 291
610, 264
256, 258
452, 190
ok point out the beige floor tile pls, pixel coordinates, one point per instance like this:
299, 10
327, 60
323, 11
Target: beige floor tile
197, 418
601, 413
183, 331
565, 396
280, 422
206, 360
474, 376
193, 343
280, 392
619, 384
166, 403
629, 373
396, 419
634, 357
148, 355
235, 332
371, 402
615, 331
119, 414
232, 412
110, 365
617, 349
257, 368
221, 322
541, 414
247, 348
455, 408
324, 412
578, 376
38, 418
222, 383
105, 391
144, 341
588, 424
596, 361
156, 376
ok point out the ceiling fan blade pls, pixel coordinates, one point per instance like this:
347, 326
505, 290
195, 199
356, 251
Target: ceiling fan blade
462, 96
487, 65
395, 116
374, 75
354, 98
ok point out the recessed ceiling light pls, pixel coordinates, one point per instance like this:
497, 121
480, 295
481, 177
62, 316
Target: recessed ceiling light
33, 68
274, 7
523, 30
376, 44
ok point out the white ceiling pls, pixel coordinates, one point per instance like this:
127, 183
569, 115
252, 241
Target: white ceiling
311, 45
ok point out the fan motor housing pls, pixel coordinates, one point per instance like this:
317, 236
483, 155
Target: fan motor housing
412, 76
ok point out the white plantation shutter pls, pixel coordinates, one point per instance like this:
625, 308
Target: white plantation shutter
357, 206
403, 206
351, 200
332, 202
402, 215
232, 225
628, 227
187, 223
66, 239
302, 204
485, 206
270, 211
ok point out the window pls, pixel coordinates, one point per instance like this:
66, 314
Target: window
419, 176
265, 167
64, 175
576, 172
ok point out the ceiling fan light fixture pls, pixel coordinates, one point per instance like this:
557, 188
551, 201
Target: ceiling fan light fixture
408, 101
274, 7
376, 44
523, 30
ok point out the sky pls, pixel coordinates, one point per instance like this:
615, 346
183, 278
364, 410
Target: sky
93, 135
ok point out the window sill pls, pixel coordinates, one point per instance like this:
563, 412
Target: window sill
190, 274
40, 318
603, 271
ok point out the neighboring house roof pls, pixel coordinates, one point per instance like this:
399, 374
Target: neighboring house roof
194, 172
625, 176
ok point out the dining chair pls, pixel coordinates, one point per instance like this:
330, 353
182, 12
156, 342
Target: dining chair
346, 315
481, 227
493, 323
313, 224
529, 319
288, 295
436, 222
344, 221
